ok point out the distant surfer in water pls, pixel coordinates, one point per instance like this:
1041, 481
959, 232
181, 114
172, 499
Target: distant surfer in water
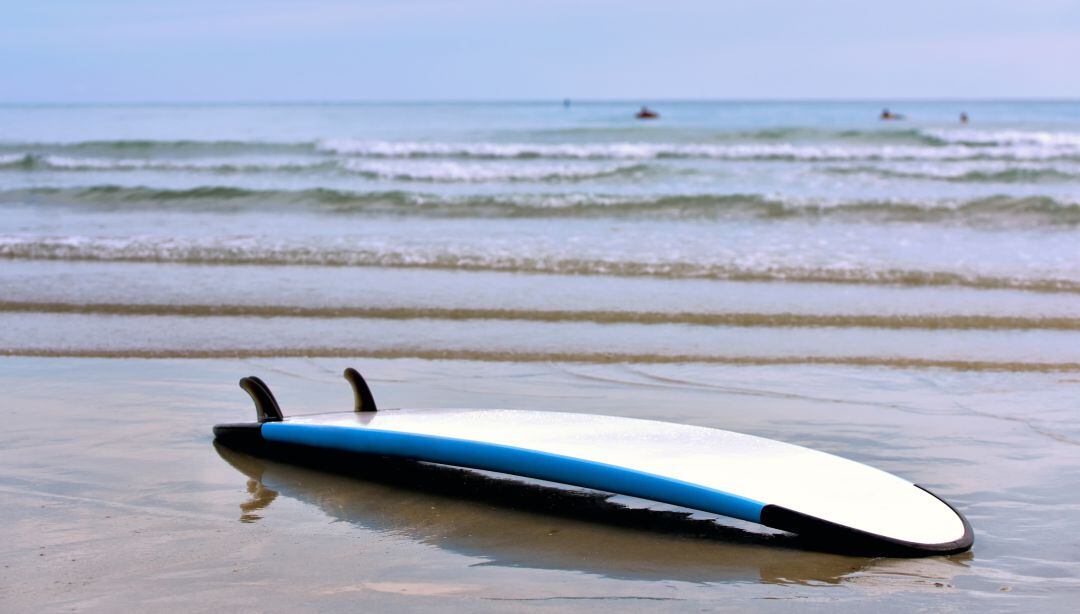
963, 117
647, 113
886, 115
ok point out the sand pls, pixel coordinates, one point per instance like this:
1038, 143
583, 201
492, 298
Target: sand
115, 496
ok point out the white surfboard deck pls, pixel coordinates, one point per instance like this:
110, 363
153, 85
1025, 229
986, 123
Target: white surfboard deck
696, 467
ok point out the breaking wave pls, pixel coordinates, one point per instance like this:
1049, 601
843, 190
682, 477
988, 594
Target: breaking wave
248, 251
999, 210
734, 151
450, 171
1043, 138
433, 171
1014, 174
63, 163
764, 144
150, 147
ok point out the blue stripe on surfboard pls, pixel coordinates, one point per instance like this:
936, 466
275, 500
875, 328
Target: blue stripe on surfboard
517, 461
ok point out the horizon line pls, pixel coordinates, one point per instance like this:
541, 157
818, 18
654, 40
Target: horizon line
553, 100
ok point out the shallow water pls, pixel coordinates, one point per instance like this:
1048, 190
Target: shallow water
819, 192
905, 294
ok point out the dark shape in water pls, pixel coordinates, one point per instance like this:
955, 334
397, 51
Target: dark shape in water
647, 113
887, 115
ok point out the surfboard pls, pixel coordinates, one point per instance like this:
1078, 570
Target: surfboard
776, 484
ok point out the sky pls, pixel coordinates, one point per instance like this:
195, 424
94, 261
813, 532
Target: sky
243, 50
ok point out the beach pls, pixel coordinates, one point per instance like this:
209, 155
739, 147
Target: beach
115, 495
904, 294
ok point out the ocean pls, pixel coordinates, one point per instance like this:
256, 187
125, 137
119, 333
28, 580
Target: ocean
906, 293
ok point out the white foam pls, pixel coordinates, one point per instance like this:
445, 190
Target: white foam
1006, 137
909, 255
458, 171
961, 168
123, 164
385, 149
66, 163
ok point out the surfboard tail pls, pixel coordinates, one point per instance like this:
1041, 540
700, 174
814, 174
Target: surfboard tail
248, 435
267, 409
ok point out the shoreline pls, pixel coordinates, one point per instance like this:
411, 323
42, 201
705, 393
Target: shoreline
600, 358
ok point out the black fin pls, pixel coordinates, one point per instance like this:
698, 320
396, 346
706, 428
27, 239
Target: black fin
266, 406
273, 412
361, 393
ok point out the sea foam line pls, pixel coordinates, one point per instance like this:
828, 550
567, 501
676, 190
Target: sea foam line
794, 142
247, 251
968, 136
991, 210
649, 150
410, 170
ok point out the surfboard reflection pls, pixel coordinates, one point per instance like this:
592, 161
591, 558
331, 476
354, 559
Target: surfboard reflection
509, 522
261, 496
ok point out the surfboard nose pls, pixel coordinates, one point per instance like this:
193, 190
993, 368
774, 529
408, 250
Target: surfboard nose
934, 527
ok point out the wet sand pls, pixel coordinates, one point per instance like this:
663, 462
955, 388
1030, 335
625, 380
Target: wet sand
116, 497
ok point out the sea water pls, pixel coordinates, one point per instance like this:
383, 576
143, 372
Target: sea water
547, 212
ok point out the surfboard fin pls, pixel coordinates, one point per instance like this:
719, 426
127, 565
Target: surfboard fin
364, 400
266, 406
